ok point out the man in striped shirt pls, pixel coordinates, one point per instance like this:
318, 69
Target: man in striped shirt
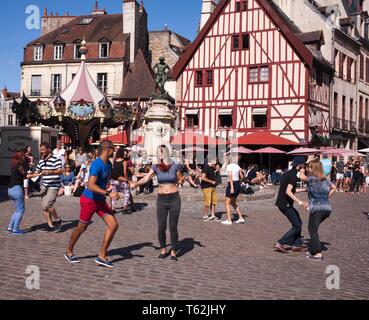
50, 167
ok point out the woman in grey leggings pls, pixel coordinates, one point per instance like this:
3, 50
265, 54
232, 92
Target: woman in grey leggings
169, 200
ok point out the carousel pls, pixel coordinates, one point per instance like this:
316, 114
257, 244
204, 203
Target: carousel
81, 109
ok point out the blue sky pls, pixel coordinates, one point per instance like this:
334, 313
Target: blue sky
182, 16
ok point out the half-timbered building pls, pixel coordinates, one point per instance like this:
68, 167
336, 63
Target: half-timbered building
251, 69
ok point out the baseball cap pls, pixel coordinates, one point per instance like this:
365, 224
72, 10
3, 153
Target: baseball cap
83, 166
297, 161
310, 158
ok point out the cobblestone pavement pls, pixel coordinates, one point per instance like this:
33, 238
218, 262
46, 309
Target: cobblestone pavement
216, 261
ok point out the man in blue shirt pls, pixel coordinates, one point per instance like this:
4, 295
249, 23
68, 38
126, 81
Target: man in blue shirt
93, 200
327, 165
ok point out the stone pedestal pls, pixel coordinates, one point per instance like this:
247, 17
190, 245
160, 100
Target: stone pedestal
158, 126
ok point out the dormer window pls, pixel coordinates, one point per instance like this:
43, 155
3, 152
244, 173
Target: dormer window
38, 53
85, 21
104, 49
58, 52
77, 46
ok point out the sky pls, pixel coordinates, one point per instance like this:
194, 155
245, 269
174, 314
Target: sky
181, 16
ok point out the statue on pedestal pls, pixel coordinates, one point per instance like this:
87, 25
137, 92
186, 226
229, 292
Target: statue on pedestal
160, 70
160, 118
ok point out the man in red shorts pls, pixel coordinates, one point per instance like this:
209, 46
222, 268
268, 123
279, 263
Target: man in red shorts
93, 200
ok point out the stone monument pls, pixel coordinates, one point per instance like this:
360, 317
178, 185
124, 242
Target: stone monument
160, 119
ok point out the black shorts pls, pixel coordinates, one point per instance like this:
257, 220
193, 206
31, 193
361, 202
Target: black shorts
237, 190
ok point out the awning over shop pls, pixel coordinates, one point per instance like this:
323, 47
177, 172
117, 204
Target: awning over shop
192, 111
263, 138
225, 112
259, 111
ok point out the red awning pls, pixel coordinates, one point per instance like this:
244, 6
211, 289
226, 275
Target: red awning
189, 138
263, 138
120, 138
269, 150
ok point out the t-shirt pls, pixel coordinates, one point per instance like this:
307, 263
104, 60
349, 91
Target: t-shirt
169, 176
318, 194
16, 178
118, 170
235, 169
52, 163
252, 174
80, 159
68, 180
60, 154
210, 174
340, 165
283, 200
102, 171
327, 166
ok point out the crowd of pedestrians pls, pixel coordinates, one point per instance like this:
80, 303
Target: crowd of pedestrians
105, 179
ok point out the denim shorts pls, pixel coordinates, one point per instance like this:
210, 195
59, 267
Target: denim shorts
237, 190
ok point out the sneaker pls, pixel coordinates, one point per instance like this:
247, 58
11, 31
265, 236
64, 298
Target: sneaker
299, 249
9, 231
72, 260
240, 221
104, 263
57, 225
316, 258
213, 219
227, 222
18, 232
280, 248
205, 218
48, 229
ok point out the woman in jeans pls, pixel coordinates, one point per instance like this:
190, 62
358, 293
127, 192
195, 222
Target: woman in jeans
15, 190
320, 190
169, 200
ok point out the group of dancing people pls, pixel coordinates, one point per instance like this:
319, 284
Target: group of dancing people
109, 183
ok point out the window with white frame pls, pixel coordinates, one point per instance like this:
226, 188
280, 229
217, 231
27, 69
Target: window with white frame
38, 53
104, 50
55, 84
36, 85
254, 74
58, 52
77, 54
102, 82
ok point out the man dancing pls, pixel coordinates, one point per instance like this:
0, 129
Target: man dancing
93, 200
285, 200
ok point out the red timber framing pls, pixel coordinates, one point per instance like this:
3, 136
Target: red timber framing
282, 91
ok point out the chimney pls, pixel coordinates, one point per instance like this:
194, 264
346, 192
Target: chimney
208, 7
98, 11
45, 12
131, 25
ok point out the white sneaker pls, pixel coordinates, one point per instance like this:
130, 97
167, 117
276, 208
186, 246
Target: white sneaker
240, 221
205, 218
227, 222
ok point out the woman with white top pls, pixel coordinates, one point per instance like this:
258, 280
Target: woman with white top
235, 174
